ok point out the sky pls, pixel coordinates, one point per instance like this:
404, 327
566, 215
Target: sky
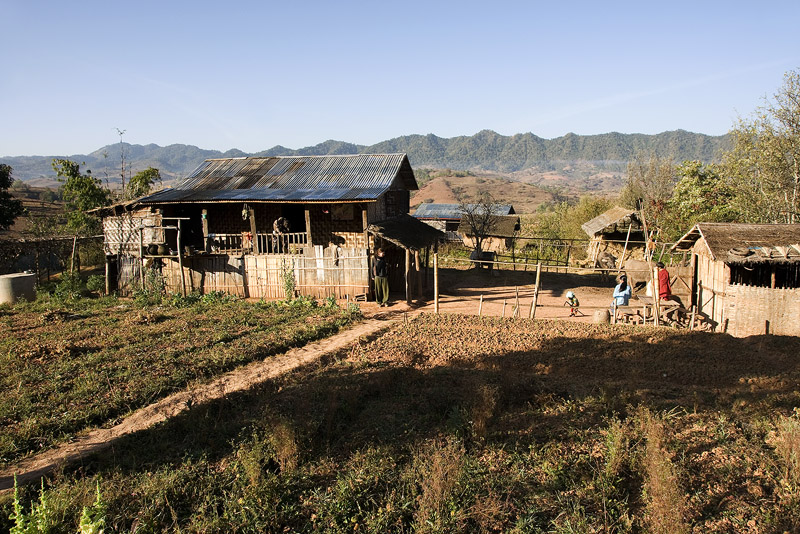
253, 75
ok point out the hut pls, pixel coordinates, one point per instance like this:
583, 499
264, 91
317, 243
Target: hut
618, 232
447, 217
500, 236
262, 227
746, 277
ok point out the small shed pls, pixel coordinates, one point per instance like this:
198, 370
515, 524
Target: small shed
746, 277
618, 231
500, 236
447, 217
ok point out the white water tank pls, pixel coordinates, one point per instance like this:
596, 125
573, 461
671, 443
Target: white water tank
17, 286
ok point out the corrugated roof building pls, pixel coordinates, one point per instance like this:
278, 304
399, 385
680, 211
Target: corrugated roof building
234, 224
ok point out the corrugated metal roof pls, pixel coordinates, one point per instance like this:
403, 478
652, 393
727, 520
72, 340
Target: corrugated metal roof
453, 211
610, 220
291, 178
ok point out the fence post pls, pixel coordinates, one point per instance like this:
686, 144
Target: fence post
536, 290
436, 283
480, 306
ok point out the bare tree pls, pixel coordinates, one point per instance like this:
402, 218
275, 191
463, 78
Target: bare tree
481, 218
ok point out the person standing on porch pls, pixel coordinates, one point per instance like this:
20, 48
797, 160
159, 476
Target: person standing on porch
381, 273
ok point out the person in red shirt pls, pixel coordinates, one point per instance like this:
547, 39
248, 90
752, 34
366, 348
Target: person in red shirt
664, 287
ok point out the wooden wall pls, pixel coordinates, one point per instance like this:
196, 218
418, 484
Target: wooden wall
712, 282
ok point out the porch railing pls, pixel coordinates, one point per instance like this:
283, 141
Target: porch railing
288, 243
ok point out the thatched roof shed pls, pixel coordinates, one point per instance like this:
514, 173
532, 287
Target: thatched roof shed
615, 220
406, 232
745, 243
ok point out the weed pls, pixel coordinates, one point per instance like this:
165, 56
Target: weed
439, 471
787, 446
665, 502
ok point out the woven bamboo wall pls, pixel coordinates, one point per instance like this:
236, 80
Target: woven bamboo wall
760, 310
324, 272
121, 233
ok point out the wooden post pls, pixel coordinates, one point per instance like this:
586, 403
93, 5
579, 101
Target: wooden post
480, 306
516, 301
536, 290
691, 320
141, 256
364, 226
180, 259
108, 273
308, 229
656, 311
418, 274
74, 247
251, 214
204, 219
624, 249
436, 283
408, 275
504, 308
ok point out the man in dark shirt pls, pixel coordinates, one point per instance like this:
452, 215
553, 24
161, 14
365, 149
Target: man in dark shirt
381, 274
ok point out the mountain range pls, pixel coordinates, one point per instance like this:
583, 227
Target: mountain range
484, 151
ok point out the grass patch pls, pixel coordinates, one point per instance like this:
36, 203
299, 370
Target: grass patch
65, 369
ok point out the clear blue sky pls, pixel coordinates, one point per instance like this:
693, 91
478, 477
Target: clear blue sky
252, 75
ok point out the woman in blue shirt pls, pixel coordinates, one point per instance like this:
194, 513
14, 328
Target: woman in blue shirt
622, 293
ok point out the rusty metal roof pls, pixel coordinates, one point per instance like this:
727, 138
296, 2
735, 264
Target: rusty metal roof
454, 211
291, 178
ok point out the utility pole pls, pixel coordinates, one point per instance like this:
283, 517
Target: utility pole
122, 159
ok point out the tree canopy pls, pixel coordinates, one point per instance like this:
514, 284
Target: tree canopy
81, 192
141, 183
764, 164
10, 207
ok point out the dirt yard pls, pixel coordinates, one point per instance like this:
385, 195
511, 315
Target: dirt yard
460, 291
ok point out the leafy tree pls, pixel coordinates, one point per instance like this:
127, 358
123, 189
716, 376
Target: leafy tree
81, 192
10, 207
701, 195
141, 183
764, 163
566, 218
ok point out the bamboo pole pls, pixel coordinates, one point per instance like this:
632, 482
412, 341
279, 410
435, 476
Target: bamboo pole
516, 301
624, 249
504, 308
408, 275
480, 306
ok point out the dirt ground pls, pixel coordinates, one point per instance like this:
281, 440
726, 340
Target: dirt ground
460, 291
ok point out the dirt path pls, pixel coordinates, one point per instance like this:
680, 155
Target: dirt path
34, 467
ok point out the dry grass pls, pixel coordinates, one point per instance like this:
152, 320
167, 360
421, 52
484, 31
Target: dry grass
665, 501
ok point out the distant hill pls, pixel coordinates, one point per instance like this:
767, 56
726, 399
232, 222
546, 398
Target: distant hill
486, 150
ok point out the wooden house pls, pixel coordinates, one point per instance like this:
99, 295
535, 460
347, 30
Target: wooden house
261, 226
447, 217
618, 232
746, 277
500, 236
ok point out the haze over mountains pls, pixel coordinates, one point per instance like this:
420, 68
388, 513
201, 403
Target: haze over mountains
484, 151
